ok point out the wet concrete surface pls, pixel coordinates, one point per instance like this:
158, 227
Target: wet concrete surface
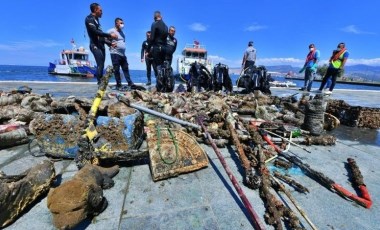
206, 199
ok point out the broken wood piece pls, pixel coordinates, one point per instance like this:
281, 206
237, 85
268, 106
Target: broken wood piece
17, 195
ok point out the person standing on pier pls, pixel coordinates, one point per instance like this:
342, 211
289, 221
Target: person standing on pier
97, 38
337, 62
157, 41
171, 45
249, 57
147, 57
310, 67
118, 57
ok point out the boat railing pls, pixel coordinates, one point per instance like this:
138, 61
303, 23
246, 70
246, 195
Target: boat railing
195, 46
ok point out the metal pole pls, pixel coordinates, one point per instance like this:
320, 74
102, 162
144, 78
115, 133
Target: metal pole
124, 99
247, 204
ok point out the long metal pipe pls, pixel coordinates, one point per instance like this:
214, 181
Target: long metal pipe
255, 218
164, 116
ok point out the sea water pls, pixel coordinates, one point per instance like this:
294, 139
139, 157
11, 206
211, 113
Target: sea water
40, 73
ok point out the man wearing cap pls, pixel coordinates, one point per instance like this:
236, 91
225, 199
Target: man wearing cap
310, 67
249, 57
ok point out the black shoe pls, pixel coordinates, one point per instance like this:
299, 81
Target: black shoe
131, 84
118, 87
148, 83
303, 89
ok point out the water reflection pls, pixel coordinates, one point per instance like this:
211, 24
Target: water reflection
362, 135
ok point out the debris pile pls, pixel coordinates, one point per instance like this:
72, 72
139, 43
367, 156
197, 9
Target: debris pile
354, 115
246, 121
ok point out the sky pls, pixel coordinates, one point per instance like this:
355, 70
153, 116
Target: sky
34, 32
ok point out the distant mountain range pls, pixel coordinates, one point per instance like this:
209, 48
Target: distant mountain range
370, 73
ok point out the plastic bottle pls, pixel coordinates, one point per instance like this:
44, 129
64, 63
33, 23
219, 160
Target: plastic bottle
296, 132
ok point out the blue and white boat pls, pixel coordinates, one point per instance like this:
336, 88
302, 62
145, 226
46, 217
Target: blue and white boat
73, 62
192, 53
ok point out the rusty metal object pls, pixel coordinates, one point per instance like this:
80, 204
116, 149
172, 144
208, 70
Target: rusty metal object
173, 152
272, 213
357, 177
121, 135
280, 186
254, 217
320, 140
282, 164
297, 186
275, 209
358, 181
17, 195
240, 151
354, 115
57, 134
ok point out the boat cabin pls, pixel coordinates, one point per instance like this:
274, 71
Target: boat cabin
198, 53
77, 57
190, 54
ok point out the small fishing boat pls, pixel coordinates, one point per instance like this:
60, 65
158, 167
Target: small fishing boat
286, 84
73, 62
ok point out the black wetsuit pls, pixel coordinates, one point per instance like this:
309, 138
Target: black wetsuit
97, 41
148, 59
171, 46
159, 33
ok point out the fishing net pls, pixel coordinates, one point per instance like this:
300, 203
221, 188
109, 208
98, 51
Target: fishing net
314, 115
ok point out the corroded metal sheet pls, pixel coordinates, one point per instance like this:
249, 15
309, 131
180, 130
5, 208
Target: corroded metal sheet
173, 152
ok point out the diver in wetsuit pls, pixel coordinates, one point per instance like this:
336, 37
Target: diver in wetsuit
171, 45
97, 38
159, 34
145, 55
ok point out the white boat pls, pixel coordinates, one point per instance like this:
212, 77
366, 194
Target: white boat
73, 62
286, 84
192, 53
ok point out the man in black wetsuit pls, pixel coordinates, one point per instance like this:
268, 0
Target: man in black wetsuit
171, 45
145, 55
159, 34
97, 38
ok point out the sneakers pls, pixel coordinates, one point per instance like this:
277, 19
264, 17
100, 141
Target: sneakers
318, 91
148, 83
328, 92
